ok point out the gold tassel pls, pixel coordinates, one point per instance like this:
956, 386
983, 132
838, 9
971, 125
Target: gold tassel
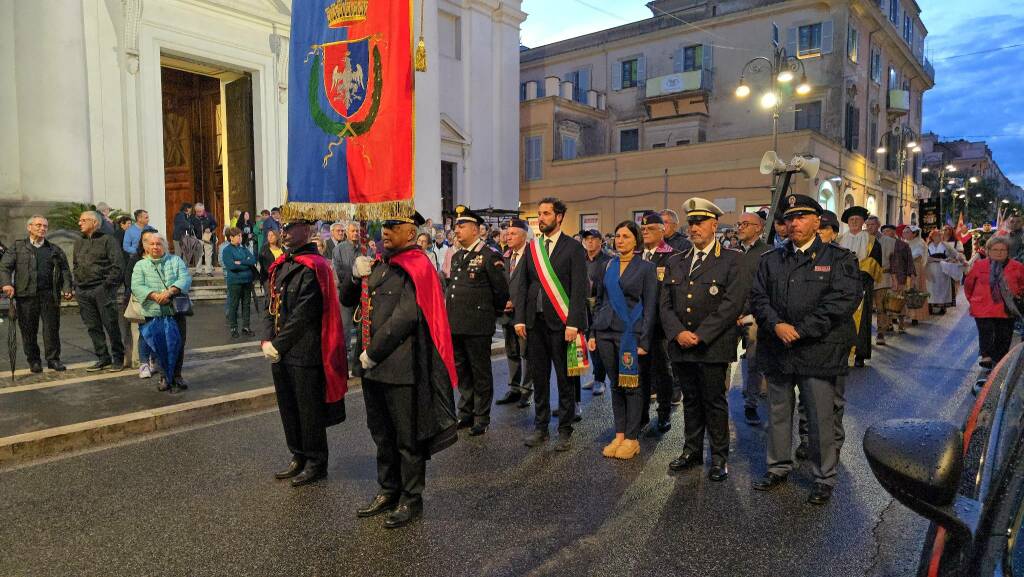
575, 371
629, 381
420, 60
344, 211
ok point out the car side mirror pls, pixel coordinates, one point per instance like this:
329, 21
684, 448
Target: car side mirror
919, 462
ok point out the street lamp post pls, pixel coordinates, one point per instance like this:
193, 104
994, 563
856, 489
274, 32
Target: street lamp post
782, 70
904, 141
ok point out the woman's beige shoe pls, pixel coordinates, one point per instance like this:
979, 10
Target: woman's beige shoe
628, 449
610, 448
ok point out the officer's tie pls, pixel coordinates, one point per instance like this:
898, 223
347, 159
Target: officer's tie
699, 260
648, 255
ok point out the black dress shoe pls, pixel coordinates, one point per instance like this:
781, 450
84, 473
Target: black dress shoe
524, 401
536, 439
859, 363
294, 468
820, 494
381, 504
36, 367
56, 365
162, 385
664, 425
685, 461
98, 366
751, 416
768, 482
801, 452
564, 442
510, 397
477, 430
309, 475
465, 422
719, 473
404, 514
677, 397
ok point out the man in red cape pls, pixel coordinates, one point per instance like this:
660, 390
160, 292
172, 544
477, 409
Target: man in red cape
408, 367
302, 337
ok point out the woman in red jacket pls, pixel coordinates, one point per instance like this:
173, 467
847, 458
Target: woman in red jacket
991, 287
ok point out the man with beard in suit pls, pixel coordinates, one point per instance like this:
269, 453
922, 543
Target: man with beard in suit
551, 314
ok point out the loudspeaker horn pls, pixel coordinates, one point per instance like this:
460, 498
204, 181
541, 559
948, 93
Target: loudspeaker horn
807, 166
771, 162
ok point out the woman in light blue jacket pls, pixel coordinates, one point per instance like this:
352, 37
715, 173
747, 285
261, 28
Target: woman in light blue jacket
157, 279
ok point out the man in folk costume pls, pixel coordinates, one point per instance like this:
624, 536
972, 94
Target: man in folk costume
408, 367
303, 338
869, 255
703, 292
551, 314
475, 297
655, 368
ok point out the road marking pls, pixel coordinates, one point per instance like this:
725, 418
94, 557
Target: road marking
201, 350
119, 375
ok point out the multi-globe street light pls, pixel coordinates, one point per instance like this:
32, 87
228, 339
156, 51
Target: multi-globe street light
904, 142
943, 172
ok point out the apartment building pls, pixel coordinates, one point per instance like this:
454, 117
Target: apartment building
645, 115
969, 158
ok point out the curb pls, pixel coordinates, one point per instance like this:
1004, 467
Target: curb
26, 447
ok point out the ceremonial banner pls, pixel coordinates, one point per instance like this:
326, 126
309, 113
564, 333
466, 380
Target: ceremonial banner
351, 110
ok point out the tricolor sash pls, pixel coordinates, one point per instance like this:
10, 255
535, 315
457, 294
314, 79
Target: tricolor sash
576, 353
629, 367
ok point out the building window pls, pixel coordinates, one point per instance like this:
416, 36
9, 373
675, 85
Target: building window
658, 145
629, 73
809, 38
852, 45
568, 148
629, 140
894, 11
852, 134
682, 142
450, 35
894, 83
534, 146
874, 137
876, 65
775, 34
693, 58
808, 116
522, 92
580, 84
908, 29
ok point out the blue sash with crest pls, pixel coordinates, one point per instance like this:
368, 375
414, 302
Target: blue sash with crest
629, 367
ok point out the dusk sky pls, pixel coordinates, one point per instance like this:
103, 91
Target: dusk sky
976, 96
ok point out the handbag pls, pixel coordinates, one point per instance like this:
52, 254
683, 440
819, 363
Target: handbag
181, 304
133, 312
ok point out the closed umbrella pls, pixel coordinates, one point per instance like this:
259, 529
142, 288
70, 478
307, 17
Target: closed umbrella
164, 339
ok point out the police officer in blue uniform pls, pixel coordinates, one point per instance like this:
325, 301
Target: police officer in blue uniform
476, 296
803, 297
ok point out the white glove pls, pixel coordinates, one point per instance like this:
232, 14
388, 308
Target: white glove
362, 266
270, 352
366, 361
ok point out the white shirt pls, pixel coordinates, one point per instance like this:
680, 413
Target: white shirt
37, 244
806, 247
554, 241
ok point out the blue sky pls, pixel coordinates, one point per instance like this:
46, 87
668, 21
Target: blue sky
976, 96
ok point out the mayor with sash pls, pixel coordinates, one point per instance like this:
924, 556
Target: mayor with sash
624, 317
551, 314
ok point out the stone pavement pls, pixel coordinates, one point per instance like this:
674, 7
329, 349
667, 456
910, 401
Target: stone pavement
201, 501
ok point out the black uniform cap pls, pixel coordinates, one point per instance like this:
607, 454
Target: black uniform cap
651, 217
414, 219
855, 211
593, 232
797, 204
830, 220
463, 214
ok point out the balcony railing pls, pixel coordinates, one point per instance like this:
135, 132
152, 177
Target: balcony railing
680, 82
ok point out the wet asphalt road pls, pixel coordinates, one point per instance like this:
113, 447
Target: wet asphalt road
202, 502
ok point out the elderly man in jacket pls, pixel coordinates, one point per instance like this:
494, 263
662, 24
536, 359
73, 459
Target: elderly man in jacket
41, 277
98, 270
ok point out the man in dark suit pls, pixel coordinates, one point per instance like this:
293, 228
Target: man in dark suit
655, 371
597, 260
749, 228
476, 295
537, 319
520, 383
702, 295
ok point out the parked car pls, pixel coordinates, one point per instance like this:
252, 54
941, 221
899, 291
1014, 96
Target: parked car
968, 481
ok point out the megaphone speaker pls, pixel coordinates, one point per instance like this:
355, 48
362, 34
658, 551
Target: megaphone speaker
771, 162
807, 166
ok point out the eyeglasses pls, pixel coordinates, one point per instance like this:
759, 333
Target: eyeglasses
744, 224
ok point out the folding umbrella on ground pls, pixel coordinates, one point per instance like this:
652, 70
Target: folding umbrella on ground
12, 335
164, 339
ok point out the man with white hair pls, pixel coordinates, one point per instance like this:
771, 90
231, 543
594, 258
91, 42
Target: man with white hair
40, 277
204, 227
337, 236
673, 237
98, 271
106, 225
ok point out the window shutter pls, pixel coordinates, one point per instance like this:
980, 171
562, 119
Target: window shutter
791, 41
584, 84
826, 37
678, 60
708, 64
617, 75
856, 129
641, 71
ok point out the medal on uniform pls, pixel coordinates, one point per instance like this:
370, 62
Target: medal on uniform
661, 273
713, 290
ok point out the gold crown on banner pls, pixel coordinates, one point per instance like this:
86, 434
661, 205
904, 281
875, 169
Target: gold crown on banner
345, 12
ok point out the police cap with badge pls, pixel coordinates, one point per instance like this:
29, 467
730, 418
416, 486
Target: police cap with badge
519, 223
699, 209
463, 214
799, 204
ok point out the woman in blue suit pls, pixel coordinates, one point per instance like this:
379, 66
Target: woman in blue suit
627, 303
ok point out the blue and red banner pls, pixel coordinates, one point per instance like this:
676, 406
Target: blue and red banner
351, 115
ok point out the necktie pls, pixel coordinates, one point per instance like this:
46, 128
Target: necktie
648, 255
547, 246
697, 262
515, 260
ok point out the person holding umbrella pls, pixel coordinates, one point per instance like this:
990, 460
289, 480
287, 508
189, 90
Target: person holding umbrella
161, 282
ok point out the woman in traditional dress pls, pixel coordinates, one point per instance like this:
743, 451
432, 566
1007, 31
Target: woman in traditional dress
624, 317
938, 282
952, 240
919, 252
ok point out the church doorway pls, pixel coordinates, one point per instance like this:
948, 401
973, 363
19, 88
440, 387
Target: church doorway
208, 140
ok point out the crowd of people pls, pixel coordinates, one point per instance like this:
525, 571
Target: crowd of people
656, 315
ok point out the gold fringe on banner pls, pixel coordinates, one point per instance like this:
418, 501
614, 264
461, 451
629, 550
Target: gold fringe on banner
629, 381
346, 211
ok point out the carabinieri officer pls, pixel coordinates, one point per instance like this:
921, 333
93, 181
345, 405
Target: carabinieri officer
702, 295
476, 296
803, 297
